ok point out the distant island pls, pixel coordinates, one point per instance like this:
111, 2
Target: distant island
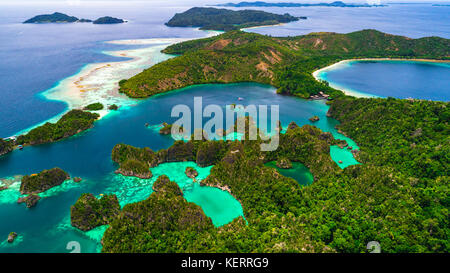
289, 4
108, 20
59, 17
223, 19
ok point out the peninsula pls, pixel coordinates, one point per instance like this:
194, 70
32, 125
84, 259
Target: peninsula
224, 19
284, 62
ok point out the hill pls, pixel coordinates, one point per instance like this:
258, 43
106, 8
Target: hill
286, 63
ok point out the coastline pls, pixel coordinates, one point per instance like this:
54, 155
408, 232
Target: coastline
98, 82
356, 93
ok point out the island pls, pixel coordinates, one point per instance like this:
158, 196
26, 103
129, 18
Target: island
56, 17
33, 184
97, 106
339, 4
224, 19
89, 212
71, 123
47, 179
108, 20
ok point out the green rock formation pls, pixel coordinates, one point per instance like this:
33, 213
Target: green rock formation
89, 212
160, 223
47, 179
70, 124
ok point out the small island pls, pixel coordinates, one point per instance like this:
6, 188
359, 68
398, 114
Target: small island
72, 123
108, 20
58, 17
47, 179
37, 183
97, 106
225, 20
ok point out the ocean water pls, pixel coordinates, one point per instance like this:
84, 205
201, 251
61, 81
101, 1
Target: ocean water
400, 79
35, 59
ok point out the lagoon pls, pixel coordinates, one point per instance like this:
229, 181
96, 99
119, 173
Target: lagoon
391, 78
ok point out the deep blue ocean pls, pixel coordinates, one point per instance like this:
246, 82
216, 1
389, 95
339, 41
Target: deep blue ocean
33, 58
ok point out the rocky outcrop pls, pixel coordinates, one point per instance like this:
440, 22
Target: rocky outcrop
191, 172
6, 146
30, 200
89, 212
314, 118
77, 179
284, 163
47, 179
292, 125
164, 185
11, 237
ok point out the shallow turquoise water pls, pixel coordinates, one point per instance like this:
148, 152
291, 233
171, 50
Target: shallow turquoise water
344, 155
46, 227
391, 78
299, 172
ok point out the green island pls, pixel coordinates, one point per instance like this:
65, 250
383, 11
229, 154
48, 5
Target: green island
96, 106
225, 20
58, 17
71, 123
108, 20
89, 212
33, 184
47, 179
286, 63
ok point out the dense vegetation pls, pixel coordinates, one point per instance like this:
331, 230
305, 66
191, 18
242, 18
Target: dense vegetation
70, 124
165, 213
286, 63
89, 212
94, 106
411, 136
43, 181
56, 17
386, 199
6, 146
224, 19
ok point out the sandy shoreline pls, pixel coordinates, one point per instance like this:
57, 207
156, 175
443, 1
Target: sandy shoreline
98, 82
347, 91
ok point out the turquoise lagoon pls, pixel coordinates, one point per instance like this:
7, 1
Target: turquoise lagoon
299, 172
391, 78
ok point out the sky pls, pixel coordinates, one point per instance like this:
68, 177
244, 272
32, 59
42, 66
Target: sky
193, 2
